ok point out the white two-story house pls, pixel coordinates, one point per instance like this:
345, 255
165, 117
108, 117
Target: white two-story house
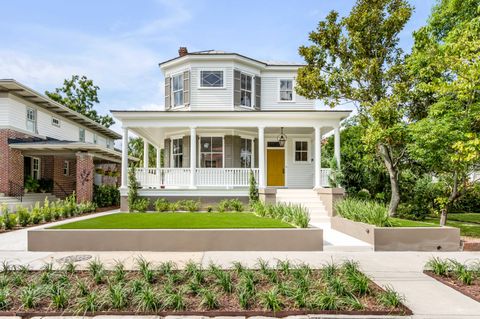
226, 115
46, 147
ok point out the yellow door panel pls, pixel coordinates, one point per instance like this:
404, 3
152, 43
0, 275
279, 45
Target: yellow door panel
275, 167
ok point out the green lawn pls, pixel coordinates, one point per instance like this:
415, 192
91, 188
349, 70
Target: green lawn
398, 222
175, 221
473, 218
466, 229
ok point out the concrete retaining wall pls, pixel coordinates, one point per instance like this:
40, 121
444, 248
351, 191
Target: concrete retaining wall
294, 239
401, 238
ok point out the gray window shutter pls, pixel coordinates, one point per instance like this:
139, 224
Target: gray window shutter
186, 151
168, 91
166, 153
258, 92
186, 88
236, 87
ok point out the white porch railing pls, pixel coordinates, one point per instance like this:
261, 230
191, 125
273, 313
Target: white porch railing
324, 175
180, 177
227, 177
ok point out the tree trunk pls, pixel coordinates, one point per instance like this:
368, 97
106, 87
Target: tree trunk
453, 196
443, 216
393, 174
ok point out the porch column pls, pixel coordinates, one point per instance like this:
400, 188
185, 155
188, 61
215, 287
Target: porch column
318, 156
158, 158
337, 145
145, 153
261, 157
124, 173
193, 155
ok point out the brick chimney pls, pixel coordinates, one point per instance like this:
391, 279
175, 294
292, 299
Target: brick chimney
182, 51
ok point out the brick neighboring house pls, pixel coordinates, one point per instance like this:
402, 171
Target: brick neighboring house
43, 140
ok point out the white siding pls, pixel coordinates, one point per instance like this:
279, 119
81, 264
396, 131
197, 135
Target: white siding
271, 89
211, 98
13, 114
299, 175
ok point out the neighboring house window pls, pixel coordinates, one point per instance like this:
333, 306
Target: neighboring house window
107, 142
81, 135
94, 138
66, 168
31, 120
35, 168
211, 79
246, 153
211, 152
301, 151
177, 152
245, 90
286, 90
55, 122
177, 90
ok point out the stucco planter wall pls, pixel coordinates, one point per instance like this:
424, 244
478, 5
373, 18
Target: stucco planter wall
329, 196
401, 238
280, 239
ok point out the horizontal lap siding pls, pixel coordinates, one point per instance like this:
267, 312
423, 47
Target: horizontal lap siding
214, 98
270, 94
299, 175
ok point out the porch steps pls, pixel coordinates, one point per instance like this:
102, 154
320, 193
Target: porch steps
29, 200
309, 199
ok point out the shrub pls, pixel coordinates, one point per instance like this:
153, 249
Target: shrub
296, 215
420, 200
132, 187
140, 205
46, 211
176, 206
36, 214
363, 194
23, 216
161, 205
106, 195
191, 205
209, 209
9, 220
236, 205
224, 205
369, 212
253, 190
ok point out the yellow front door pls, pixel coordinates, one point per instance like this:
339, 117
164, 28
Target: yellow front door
275, 167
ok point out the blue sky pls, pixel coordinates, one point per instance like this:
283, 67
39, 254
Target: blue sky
119, 44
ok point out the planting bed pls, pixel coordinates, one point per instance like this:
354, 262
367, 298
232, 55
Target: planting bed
283, 289
461, 277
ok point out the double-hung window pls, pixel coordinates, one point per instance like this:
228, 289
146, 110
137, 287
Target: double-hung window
211, 152
81, 135
246, 152
177, 89
245, 90
31, 120
211, 79
286, 90
177, 152
301, 151
66, 168
35, 168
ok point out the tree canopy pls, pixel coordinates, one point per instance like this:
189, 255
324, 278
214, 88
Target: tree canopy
81, 95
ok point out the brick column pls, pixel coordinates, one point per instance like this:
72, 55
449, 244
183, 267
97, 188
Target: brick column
85, 171
11, 161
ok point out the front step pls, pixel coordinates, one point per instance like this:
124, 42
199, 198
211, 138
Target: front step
307, 198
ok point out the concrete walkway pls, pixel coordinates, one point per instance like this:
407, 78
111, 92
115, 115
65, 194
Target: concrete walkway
402, 270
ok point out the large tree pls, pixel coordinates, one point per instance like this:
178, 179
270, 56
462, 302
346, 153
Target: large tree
357, 59
446, 58
135, 149
81, 95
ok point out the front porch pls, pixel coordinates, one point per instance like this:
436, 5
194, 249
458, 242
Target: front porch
281, 149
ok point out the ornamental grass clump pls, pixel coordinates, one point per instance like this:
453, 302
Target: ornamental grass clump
296, 215
365, 211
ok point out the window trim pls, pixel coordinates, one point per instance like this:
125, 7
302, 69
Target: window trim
199, 149
33, 121
252, 156
200, 87
279, 100
38, 170
172, 92
308, 150
66, 168
55, 119
172, 155
252, 90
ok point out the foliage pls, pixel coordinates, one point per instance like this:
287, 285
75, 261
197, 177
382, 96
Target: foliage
133, 186
358, 210
191, 205
23, 216
357, 59
135, 149
80, 95
45, 185
31, 184
141, 205
336, 175
253, 188
161, 205
294, 214
106, 195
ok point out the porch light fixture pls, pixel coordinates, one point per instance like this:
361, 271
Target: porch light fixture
282, 138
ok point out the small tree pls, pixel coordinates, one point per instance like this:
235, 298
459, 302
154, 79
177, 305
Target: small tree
335, 178
132, 188
253, 192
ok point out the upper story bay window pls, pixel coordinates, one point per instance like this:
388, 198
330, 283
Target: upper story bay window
211, 152
286, 90
211, 79
246, 90
31, 120
177, 89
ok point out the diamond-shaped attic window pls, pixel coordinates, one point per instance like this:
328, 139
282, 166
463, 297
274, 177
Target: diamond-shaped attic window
211, 79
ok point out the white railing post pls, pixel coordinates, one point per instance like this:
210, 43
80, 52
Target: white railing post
145, 154
337, 145
193, 155
125, 158
318, 156
261, 157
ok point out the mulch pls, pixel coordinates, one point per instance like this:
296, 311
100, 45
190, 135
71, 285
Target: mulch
472, 291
